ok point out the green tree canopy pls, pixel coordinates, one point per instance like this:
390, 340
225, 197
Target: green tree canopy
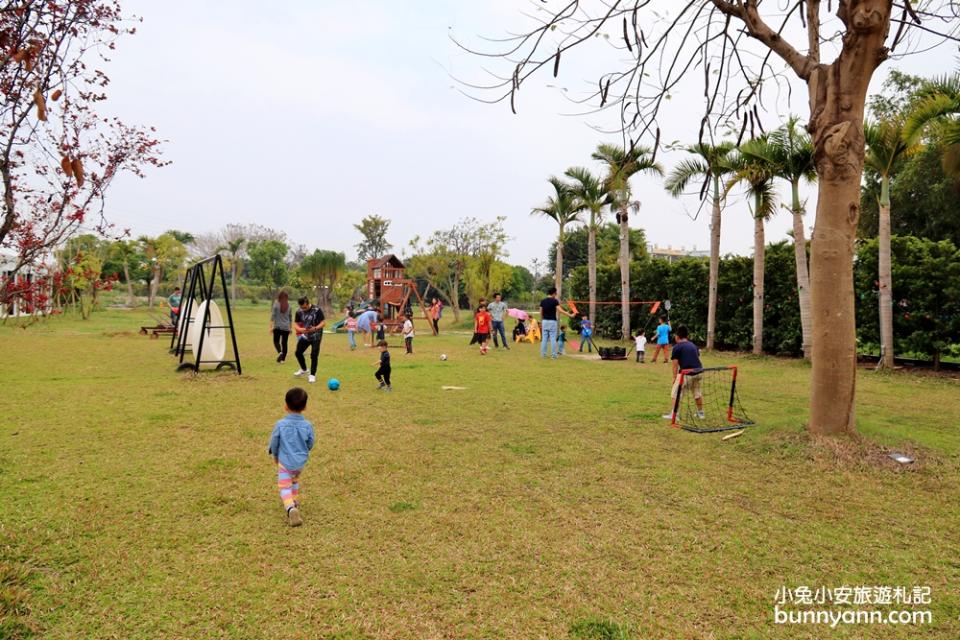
608, 246
374, 229
266, 263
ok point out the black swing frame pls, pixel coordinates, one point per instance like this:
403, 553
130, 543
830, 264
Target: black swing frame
201, 285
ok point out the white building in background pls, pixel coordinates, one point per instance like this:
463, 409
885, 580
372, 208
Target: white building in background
672, 254
26, 275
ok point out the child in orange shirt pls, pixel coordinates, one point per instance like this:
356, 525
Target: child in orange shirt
482, 323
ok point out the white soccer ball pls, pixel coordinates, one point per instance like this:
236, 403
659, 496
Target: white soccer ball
443, 356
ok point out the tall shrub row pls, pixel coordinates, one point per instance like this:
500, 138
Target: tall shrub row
926, 294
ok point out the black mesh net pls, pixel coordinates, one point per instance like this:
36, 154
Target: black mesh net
708, 401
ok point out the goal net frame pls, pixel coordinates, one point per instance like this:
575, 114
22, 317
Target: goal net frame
723, 413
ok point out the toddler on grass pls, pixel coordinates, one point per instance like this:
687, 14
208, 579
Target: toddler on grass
290, 445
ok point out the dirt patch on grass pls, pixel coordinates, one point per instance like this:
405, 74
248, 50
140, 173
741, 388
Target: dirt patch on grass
859, 453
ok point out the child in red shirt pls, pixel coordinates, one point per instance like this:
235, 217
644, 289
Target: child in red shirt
482, 324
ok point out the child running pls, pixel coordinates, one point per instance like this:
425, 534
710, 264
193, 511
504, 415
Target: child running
562, 340
641, 341
290, 445
482, 323
383, 373
408, 333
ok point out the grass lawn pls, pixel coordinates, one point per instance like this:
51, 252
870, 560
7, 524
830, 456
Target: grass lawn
547, 500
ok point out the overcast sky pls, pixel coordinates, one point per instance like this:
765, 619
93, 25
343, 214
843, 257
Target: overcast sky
306, 116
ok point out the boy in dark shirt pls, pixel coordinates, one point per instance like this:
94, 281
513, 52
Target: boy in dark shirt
383, 373
549, 307
686, 357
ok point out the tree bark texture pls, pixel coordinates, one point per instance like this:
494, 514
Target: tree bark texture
837, 96
126, 276
624, 273
803, 273
592, 265
714, 266
885, 278
759, 257
558, 269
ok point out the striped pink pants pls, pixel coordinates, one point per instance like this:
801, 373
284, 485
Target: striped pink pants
288, 481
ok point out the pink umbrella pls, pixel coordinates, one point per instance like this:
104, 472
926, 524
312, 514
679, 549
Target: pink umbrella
519, 314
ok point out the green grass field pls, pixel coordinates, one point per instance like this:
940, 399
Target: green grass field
547, 500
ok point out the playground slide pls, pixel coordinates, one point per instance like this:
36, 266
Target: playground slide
357, 309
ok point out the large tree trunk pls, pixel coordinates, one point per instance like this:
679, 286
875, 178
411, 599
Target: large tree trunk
455, 296
714, 266
592, 265
803, 275
154, 286
126, 276
759, 248
558, 268
837, 96
624, 273
886, 278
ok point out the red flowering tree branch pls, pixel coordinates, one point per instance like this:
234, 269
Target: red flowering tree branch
58, 156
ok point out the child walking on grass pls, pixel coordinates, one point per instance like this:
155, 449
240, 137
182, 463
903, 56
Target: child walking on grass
562, 341
290, 445
482, 323
383, 373
641, 341
351, 326
586, 333
408, 333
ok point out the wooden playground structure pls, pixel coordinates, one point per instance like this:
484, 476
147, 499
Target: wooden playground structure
388, 284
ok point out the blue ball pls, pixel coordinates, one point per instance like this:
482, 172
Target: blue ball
333, 384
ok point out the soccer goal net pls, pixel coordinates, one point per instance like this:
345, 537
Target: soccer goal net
706, 400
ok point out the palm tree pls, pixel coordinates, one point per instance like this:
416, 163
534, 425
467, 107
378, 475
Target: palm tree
749, 167
789, 153
621, 165
324, 269
592, 198
564, 208
886, 146
124, 251
939, 103
710, 165
235, 248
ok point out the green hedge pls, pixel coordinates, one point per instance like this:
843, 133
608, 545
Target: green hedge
926, 294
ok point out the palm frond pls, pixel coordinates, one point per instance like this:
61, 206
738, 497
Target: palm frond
932, 108
685, 171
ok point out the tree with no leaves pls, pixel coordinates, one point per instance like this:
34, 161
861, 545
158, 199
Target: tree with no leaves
734, 44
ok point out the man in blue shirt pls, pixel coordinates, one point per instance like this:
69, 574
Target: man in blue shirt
686, 359
663, 339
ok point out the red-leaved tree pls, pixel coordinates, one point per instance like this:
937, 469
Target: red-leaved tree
58, 156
